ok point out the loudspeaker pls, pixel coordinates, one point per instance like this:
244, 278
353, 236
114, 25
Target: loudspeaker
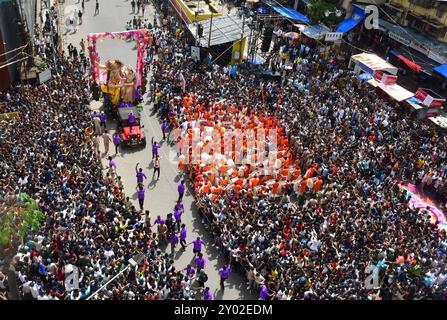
267, 38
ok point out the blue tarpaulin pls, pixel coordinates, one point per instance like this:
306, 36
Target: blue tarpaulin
262, 10
442, 69
357, 16
257, 60
414, 100
290, 13
365, 76
317, 31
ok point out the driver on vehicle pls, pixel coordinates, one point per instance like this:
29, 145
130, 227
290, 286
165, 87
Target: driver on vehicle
131, 118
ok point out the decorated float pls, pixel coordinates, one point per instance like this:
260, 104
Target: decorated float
119, 83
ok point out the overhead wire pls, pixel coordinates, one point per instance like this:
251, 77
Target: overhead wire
403, 29
319, 41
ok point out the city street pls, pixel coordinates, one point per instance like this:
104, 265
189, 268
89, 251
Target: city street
162, 194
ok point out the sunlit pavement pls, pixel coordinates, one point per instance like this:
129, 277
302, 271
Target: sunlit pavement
162, 194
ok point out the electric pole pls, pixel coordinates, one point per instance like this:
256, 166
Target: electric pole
209, 35
242, 37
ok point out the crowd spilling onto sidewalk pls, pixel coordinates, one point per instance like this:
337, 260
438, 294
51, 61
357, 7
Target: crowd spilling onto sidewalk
361, 145
90, 228
298, 242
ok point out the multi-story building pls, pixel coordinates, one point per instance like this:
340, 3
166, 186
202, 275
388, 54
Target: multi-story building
425, 16
17, 18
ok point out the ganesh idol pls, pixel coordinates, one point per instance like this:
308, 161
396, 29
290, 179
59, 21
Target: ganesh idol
113, 79
129, 84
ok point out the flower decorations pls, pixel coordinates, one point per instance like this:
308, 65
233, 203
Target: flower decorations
142, 36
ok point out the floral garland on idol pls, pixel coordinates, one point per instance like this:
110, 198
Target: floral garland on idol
143, 38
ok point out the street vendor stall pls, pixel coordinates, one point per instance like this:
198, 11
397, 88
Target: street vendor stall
370, 63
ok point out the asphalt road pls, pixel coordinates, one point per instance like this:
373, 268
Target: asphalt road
162, 194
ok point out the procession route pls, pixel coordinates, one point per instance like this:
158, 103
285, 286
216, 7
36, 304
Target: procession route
162, 194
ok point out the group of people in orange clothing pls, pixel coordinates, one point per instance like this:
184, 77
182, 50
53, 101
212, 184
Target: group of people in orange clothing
227, 148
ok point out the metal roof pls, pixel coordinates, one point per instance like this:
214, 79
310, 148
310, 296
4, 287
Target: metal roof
434, 45
224, 29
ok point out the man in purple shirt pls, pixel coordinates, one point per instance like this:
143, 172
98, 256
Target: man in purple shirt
103, 119
200, 262
116, 141
224, 273
155, 148
140, 192
181, 190
197, 245
173, 239
131, 118
190, 271
139, 174
112, 164
178, 219
264, 293
179, 206
207, 295
164, 126
183, 236
159, 220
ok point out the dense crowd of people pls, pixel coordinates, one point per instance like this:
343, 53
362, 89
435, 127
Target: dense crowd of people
362, 146
49, 153
308, 243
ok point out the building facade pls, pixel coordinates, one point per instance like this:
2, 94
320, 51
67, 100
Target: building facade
425, 16
15, 15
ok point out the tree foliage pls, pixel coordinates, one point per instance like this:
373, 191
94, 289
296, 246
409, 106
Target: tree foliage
19, 219
316, 11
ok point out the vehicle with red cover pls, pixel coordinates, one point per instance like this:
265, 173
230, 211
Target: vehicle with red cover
130, 128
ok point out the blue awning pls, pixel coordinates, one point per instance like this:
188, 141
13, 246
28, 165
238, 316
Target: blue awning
442, 69
357, 16
414, 100
290, 13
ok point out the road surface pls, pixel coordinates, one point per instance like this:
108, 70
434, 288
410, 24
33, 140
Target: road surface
162, 194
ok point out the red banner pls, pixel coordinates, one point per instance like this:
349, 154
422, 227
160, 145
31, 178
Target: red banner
428, 100
389, 80
420, 94
378, 75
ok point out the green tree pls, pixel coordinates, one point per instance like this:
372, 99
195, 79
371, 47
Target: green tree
17, 219
316, 10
